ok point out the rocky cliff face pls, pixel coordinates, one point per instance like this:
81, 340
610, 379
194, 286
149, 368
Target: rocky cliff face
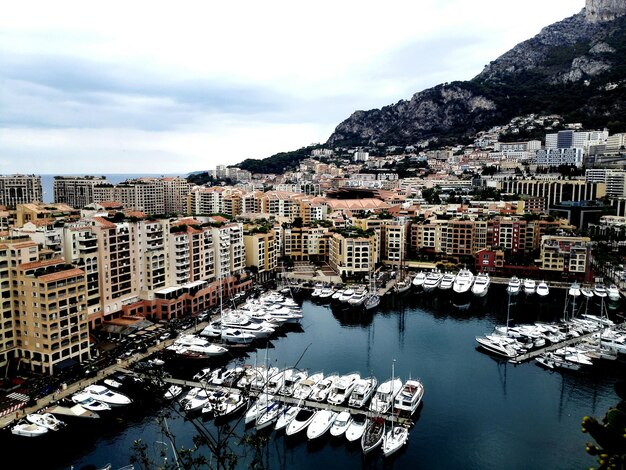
584, 52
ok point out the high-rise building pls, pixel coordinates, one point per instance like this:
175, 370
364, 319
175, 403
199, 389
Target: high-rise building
76, 191
20, 189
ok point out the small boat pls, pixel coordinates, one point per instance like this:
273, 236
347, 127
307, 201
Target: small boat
514, 285
481, 284
402, 286
356, 428
300, 422
341, 424
203, 374
542, 289
47, 420
229, 404
27, 429
373, 435
321, 422
270, 415
372, 301
173, 391
394, 439
195, 399
113, 383
76, 411
90, 403
530, 286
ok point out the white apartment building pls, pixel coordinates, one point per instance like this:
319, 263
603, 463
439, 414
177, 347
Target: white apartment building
560, 156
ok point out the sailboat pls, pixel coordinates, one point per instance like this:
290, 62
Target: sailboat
373, 299
403, 283
398, 435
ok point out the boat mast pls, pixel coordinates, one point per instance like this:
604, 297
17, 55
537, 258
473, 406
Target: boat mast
393, 399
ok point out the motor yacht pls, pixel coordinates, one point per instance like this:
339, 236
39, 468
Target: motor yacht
24, 428
432, 281
586, 291
286, 416
342, 388
358, 298
574, 289
337, 295
88, 402
497, 346
463, 281
304, 387
195, 399
290, 379
613, 293
513, 286
47, 420
356, 428
362, 392
229, 404
326, 293
341, 424
418, 280
409, 398
321, 422
385, 394
300, 422
530, 286
599, 290
447, 281
347, 294
542, 289
322, 388
106, 395
173, 391
481, 284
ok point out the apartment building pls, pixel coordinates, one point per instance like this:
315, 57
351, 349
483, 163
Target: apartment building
568, 255
30, 212
351, 255
560, 156
614, 180
14, 251
554, 191
20, 189
305, 243
52, 311
76, 191
206, 200
261, 254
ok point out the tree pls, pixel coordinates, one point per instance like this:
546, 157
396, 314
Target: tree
609, 434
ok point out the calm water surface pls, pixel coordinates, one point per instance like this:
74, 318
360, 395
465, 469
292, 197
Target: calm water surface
477, 412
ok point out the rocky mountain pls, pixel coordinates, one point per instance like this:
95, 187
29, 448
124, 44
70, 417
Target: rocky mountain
576, 68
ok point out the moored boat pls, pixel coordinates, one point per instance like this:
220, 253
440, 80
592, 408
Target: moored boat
409, 398
481, 284
300, 422
321, 422
356, 428
27, 429
341, 424
373, 434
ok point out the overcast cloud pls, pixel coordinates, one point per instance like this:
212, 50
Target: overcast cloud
173, 87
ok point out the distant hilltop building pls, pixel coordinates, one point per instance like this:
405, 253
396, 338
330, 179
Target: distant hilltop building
20, 189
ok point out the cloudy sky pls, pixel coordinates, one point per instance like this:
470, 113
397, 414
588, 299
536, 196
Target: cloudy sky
172, 87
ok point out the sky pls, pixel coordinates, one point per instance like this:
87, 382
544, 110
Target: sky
174, 87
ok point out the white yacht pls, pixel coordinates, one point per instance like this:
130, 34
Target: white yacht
300, 421
463, 281
286, 416
586, 291
356, 428
372, 301
47, 420
326, 293
432, 280
341, 424
336, 296
357, 298
342, 388
574, 289
418, 280
347, 294
291, 378
497, 346
447, 281
514, 286
542, 289
237, 336
321, 422
322, 388
599, 290
88, 402
613, 293
481, 284
106, 395
258, 407
530, 286
409, 398
304, 387
24, 428
385, 394
270, 415
362, 392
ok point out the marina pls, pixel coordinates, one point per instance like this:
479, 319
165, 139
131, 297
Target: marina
431, 337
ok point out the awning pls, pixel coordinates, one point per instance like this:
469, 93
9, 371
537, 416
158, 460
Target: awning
65, 364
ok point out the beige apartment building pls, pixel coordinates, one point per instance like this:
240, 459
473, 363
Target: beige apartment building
261, 254
52, 322
352, 255
76, 191
565, 254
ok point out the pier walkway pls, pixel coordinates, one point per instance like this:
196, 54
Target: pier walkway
285, 399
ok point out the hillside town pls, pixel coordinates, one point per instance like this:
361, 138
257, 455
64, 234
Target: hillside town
103, 256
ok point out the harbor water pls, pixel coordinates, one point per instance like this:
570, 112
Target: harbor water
478, 412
